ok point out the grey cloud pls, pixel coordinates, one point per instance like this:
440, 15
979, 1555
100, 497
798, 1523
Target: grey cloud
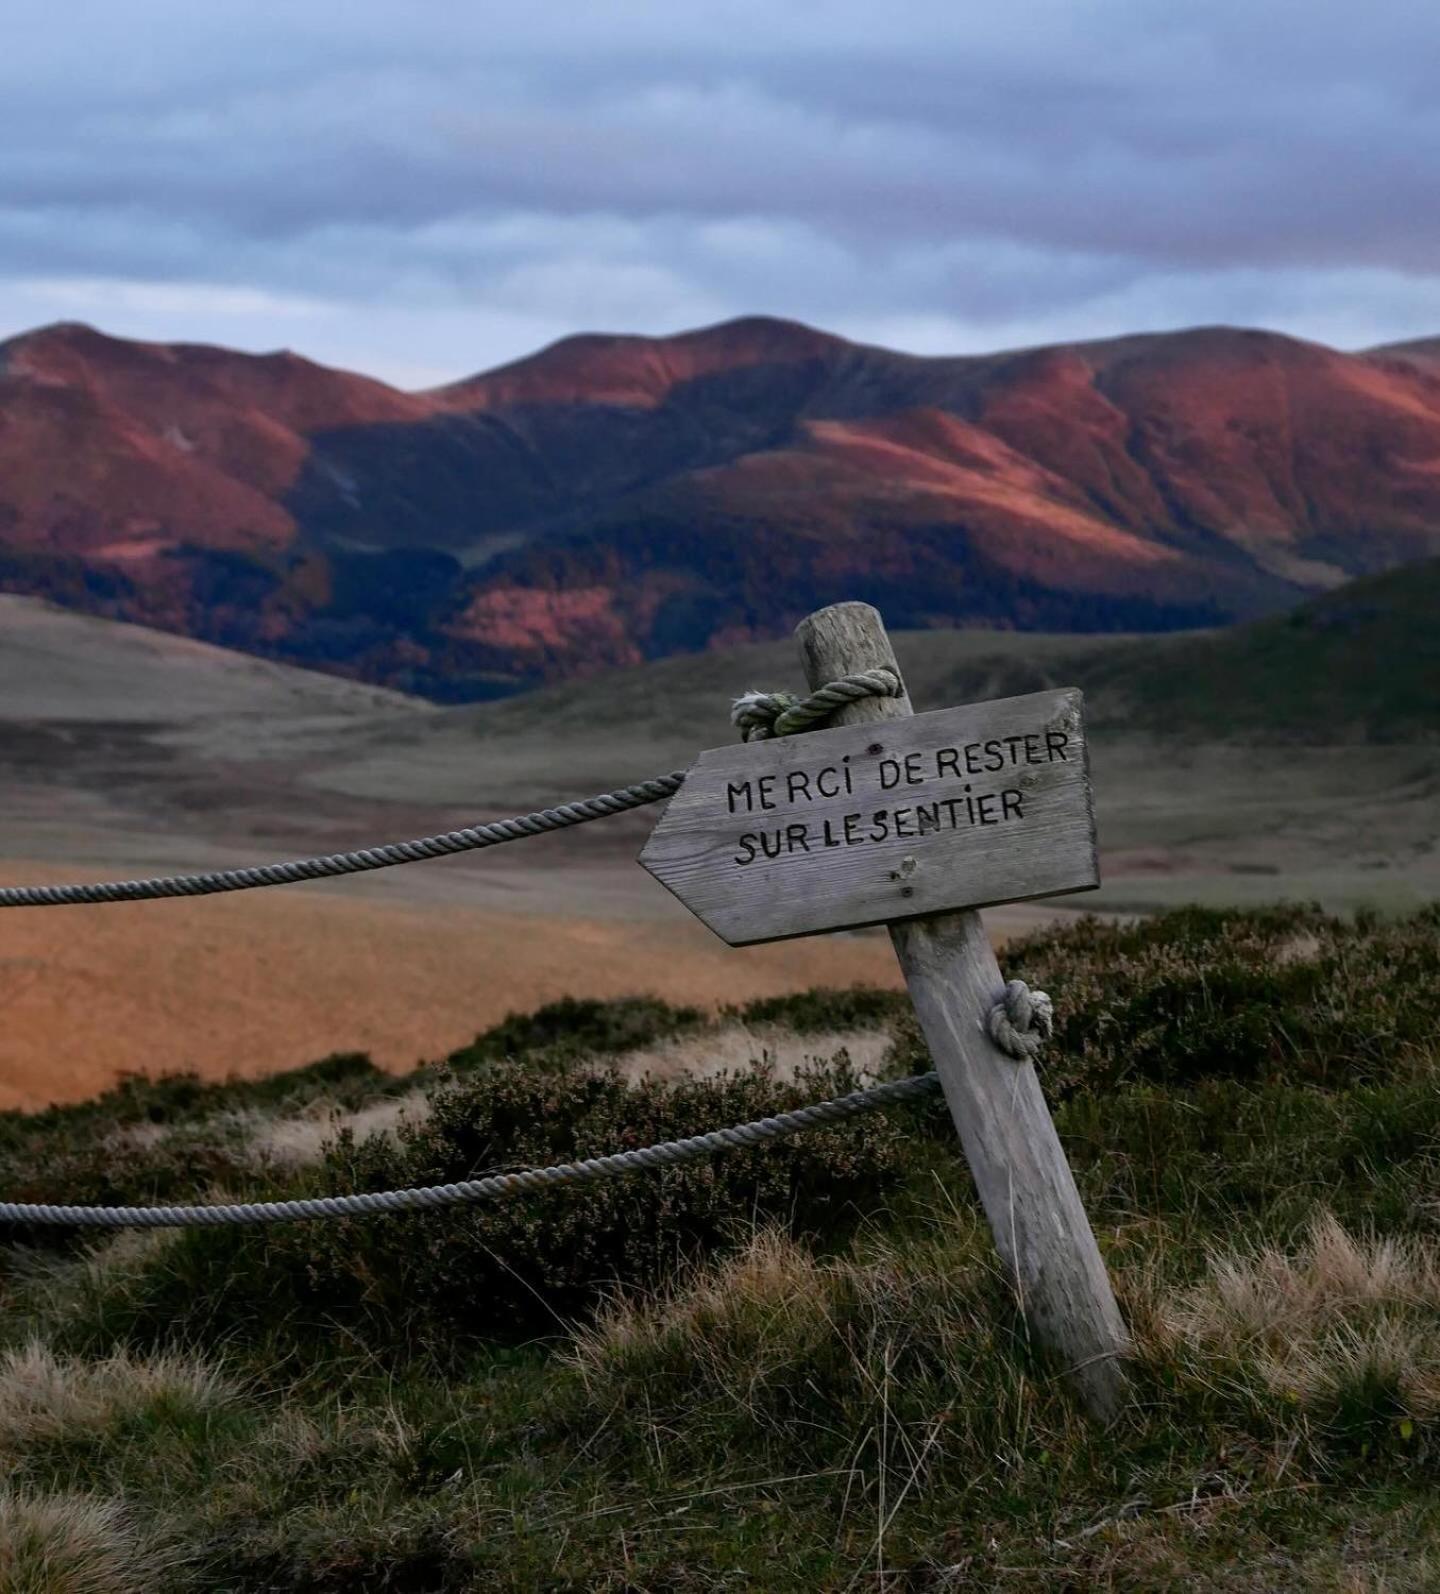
938, 166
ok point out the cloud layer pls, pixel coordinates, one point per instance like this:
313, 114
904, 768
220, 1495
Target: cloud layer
425, 190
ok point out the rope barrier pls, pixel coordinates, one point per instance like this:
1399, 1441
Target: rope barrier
343, 863
430, 1197
1017, 1024
758, 715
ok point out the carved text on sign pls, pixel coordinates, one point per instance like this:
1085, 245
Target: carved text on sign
967, 806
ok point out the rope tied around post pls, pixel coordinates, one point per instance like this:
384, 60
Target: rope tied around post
759, 716
1021, 1021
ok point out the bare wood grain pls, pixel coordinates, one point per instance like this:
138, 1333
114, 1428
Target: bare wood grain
1023, 1179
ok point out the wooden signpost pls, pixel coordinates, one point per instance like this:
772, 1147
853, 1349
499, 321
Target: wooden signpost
895, 818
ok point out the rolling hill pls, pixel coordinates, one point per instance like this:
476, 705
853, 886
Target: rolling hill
612, 500
60, 668
1357, 667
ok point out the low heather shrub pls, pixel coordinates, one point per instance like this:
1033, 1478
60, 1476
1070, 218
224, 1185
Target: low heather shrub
1280, 994
579, 1027
813, 1012
523, 1267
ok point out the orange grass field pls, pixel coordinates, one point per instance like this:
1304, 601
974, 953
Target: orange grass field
259, 981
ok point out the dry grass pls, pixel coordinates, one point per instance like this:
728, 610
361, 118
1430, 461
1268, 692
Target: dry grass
44, 1397
71, 1544
735, 1048
772, 1288
1204, 1547
774, 1299
1341, 1312
300, 1142
896, 1337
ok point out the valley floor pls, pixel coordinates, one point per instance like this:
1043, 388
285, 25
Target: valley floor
126, 753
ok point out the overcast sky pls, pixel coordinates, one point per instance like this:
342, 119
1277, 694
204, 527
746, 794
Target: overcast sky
421, 190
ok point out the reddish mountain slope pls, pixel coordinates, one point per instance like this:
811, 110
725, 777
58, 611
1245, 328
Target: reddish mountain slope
110, 447
617, 498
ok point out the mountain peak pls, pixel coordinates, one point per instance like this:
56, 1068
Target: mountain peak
1419, 351
635, 370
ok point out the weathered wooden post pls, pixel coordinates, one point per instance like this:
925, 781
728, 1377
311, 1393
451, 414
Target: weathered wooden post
1025, 1183
983, 804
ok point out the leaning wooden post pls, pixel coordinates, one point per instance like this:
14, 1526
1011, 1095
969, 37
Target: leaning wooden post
1024, 1182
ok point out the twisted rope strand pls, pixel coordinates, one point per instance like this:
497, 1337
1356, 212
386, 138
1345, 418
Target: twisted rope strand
759, 716
343, 863
500, 1185
1017, 1023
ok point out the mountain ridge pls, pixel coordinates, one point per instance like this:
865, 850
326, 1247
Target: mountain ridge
611, 499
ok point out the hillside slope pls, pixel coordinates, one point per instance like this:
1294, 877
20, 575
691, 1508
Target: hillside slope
127, 753
1361, 665
1357, 666
617, 499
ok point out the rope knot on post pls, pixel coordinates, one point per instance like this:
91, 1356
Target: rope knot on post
1021, 1021
759, 716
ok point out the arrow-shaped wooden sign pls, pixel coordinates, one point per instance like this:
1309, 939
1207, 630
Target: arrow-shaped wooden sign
873, 823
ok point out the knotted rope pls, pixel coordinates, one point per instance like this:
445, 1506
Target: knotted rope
1021, 1021
758, 716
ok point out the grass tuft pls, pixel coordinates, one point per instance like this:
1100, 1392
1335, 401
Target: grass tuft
46, 1398
71, 1544
1347, 1328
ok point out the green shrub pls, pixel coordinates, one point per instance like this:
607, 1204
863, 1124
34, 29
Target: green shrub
346, 1079
1223, 1151
174, 1138
812, 1012
1279, 994
574, 1027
